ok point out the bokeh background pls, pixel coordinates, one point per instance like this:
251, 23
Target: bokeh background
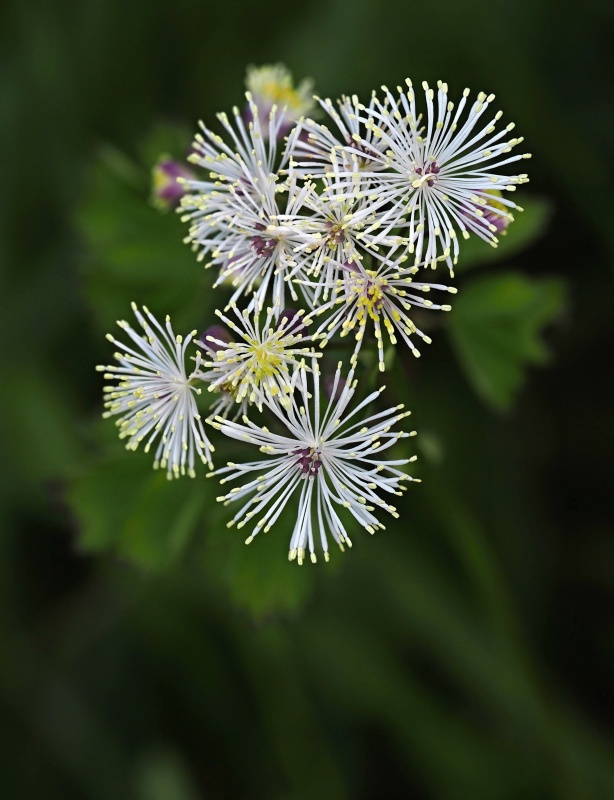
145, 653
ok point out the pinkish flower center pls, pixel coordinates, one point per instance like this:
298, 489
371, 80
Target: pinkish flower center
425, 175
262, 246
308, 460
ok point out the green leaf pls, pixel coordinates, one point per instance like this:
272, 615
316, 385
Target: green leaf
162, 774
133, 252
124, 506
258, 577
165, 139
527, 227
495, 329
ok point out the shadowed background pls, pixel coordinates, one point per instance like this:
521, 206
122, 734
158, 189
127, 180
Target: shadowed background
145, 652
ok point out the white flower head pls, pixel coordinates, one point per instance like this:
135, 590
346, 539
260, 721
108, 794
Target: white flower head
329, 457
272, 85
261, 362
382, 296
437, 171
245, 218
262, 252
153, 396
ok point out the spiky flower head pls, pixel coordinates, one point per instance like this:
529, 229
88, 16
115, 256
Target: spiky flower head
241, 166
335, 233
153, 396
324, 457
246, 217
381, 297
272, 85
260, 363
436, 172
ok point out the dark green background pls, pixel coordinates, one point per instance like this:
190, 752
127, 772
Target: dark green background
465, 653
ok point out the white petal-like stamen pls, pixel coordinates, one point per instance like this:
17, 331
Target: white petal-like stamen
312, 146
154, 396
324, 457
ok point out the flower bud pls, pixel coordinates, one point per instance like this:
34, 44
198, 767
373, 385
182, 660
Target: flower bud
215, 332
292, 321
272, 85
167, 191
500, 221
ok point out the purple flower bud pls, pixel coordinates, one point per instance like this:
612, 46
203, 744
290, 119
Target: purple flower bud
490, 213
329, 387
500, 222
166, 190
292, 322
215, 332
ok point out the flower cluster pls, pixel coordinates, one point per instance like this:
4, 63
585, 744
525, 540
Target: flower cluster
337, 216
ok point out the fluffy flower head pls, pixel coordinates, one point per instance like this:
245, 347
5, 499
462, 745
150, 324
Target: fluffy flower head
246, 218
153, 396
324, 456
261, 362
381, 297
432, 174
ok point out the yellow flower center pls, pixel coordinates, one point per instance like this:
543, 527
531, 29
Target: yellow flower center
282, 95
371, 292
265, 360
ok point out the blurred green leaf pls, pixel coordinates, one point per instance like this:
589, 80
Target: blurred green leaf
162, 774
495, 329
165, 138
258, 577
136, 253
124, 506
41, 434
527, 227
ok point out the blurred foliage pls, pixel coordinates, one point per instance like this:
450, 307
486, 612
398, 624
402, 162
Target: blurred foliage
147, 653
122, 504
135, 253
496, 327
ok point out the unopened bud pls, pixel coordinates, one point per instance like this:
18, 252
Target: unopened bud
218, 333
272, 85
166, 191
292, 322
491, 215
